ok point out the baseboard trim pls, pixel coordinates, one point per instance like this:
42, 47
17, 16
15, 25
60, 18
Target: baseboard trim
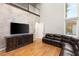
2, 49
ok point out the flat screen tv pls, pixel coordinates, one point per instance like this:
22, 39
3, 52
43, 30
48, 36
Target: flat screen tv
18, 28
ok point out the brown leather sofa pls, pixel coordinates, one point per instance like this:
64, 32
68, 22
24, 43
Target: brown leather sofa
69, 45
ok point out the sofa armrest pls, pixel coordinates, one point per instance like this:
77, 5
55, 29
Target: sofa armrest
77, 47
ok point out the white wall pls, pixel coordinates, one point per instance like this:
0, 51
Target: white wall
10, 14
52, 15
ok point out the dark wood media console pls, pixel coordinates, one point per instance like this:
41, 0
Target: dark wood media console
18, 40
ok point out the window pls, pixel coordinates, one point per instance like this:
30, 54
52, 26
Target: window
71, 10
71, 21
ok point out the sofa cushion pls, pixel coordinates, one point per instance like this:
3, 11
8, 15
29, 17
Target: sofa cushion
68, 46
67, 53
66, 37
52, 42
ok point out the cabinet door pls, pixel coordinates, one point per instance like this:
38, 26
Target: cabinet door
11, 44
27, 38
20, 41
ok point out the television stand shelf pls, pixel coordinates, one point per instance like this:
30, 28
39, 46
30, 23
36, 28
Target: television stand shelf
18, 40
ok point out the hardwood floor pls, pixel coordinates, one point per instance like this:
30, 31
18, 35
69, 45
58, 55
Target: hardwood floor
37, 48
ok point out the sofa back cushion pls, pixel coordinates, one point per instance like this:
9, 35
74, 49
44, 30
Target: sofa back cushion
48, 35
57, 35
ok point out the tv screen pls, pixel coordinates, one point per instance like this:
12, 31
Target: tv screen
18, 28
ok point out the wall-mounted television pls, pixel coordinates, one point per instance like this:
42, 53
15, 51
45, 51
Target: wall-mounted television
19, 28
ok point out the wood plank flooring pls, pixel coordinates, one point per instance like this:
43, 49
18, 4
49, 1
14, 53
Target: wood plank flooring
37, 48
